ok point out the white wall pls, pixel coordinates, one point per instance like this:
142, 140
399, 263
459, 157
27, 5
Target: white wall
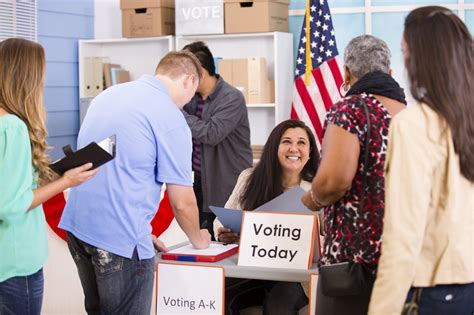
62, 288
107, 19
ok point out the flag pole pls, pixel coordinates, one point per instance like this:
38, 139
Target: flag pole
309, 63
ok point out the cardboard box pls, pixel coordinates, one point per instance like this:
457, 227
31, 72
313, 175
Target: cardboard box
147, 18
250, 77
250, 16
259, 87
196, 17
224, 68
137, 4
240, 76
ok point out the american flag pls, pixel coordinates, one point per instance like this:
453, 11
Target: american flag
317, 75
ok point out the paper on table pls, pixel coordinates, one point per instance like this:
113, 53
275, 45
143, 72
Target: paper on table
289, 201
213, 249
231, 218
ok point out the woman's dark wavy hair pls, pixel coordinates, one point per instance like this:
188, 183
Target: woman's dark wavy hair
440, 66
265, 182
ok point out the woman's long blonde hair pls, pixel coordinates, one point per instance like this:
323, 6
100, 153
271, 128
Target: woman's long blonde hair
22, 72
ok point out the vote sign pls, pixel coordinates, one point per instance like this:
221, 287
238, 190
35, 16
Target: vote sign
277, 240
189, 289
199, 17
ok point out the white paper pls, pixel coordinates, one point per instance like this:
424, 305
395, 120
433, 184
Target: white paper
213, 250
108, 144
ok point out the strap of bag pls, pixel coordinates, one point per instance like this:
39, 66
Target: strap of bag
411, 308
365, 170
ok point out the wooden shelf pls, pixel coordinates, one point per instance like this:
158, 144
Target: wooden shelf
269, 105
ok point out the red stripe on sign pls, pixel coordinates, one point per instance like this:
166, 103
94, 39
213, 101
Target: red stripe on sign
163, 217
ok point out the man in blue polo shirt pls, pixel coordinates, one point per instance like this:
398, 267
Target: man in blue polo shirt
108, 220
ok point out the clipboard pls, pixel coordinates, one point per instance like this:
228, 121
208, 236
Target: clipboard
231, 218
216, 251
289, 201
95, 153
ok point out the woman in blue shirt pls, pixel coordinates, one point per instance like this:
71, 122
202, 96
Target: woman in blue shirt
26, 180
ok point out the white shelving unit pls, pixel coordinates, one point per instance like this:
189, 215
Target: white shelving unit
141, 55
277, 49
137, 55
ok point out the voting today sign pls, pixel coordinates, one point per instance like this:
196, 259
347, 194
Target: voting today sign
277, 240
189, 289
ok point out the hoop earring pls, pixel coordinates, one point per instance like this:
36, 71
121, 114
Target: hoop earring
421, 92
344, 88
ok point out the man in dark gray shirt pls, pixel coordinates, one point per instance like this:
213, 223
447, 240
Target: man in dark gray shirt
218, 119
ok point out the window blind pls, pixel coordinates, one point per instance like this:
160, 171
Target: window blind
18, 18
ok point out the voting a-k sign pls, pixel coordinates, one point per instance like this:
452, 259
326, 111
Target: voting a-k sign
277, 240
190, 289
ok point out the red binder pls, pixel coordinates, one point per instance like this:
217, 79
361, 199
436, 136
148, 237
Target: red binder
233, 249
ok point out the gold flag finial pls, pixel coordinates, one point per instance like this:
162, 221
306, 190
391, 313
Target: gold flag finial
309, 62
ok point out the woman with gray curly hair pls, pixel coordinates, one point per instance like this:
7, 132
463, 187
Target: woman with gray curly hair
349, 184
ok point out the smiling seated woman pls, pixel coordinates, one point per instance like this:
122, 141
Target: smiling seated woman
290, 158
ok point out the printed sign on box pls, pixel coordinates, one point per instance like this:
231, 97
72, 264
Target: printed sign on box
277, 240
189, 289
195, 17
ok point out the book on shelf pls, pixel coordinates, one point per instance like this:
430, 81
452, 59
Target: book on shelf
119, 75
107, 73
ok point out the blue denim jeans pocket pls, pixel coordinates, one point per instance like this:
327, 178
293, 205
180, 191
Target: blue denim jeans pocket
105, 262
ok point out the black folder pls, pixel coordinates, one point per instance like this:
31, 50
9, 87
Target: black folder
94, 153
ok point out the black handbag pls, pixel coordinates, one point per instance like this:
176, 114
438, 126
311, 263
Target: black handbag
348, 278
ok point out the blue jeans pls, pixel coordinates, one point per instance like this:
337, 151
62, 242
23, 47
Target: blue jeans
453, 299
113, 284
22, 295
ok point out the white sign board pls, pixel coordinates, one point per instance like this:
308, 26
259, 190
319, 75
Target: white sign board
196, 17
277, 240
189, 289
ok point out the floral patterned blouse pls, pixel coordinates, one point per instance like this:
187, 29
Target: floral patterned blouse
344, 226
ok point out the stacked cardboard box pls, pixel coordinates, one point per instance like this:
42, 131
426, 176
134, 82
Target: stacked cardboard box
249, 76
147, 18
250, 16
